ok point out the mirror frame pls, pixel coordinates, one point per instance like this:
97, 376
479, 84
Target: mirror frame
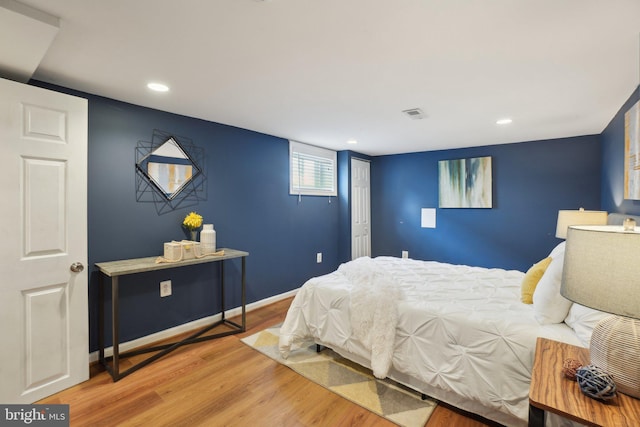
143, 167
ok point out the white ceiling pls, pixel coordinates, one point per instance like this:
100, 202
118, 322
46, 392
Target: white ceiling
26, 35
325, 71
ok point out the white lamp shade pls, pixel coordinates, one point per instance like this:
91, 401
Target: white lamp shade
567, 218
602, 269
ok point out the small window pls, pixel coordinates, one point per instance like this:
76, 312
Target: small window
312, 170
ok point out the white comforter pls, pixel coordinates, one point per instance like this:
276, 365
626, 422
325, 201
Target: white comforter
461, 333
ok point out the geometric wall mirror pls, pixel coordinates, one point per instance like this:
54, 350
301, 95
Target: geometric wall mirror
169, 172
169, 168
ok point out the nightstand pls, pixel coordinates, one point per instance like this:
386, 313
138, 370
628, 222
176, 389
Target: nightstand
550, 391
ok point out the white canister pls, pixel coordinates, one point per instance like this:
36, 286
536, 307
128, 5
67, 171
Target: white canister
208, 239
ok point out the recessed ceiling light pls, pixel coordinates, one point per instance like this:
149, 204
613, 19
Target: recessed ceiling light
503, 121
352, 141
158, 87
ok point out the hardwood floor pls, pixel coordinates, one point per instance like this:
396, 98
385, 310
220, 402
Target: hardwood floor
222, 382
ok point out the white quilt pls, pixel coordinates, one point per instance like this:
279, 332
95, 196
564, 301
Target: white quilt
460, 333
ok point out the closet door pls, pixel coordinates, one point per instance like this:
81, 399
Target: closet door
360, 209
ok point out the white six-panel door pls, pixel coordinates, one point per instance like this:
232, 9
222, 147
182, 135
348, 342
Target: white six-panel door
360, 209
43, 229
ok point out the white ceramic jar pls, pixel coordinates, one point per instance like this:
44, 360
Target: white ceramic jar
207, 239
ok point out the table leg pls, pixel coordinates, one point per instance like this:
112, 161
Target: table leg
222, 288
536, 416
115, 327
101, 320
244, 297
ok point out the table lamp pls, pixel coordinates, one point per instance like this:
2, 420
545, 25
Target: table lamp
578, 217
602, 271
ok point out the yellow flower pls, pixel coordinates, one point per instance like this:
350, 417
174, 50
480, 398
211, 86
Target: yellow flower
192, 221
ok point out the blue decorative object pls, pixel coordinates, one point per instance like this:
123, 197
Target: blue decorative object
596, 383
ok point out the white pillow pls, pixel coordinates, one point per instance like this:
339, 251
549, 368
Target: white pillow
582, 320
548, 305
558, 251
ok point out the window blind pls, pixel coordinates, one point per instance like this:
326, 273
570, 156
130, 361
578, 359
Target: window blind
312, 170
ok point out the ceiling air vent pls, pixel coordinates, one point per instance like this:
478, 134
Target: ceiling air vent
414, 113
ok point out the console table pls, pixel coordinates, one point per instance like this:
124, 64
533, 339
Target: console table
115, 269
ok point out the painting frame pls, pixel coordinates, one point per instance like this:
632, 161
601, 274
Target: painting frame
465, 183
632, 153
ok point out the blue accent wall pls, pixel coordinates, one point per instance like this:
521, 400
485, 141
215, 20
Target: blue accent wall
247, 200
531, 182
613, 163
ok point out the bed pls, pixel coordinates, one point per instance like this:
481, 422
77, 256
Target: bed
457, 333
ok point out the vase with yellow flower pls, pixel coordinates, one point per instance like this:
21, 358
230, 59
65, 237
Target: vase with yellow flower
192, 222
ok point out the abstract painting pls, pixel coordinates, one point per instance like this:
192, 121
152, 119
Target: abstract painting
632, 153
465, 183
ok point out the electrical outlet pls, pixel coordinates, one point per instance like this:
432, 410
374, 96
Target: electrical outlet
165, 288
405, 254
319, 257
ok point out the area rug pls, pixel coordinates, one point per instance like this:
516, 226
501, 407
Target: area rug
349, 380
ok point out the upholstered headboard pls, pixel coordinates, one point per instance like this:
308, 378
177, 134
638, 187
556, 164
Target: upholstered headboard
618, 218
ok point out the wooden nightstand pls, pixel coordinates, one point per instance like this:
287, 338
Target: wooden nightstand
551, 391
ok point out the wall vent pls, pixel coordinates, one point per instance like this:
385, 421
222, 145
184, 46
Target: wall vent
414, 113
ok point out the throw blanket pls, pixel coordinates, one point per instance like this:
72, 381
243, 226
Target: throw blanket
373, 311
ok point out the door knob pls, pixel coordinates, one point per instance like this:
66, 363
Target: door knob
77, 267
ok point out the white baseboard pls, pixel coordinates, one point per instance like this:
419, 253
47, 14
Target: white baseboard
186, 327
